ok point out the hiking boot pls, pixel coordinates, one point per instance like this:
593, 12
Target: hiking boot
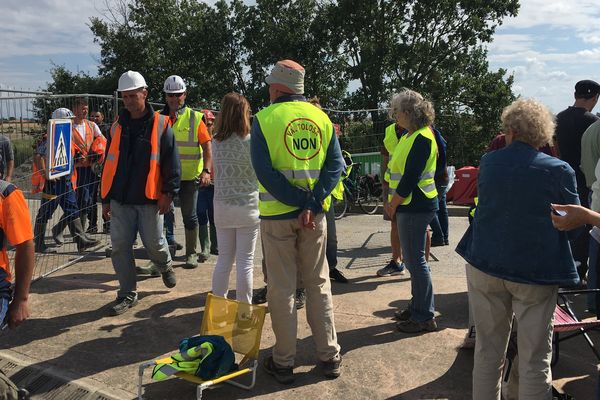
191, 261
402, 315
150, 269
337, 275
411, 326
331, 368
393, 268
169, 278
281, 374
300, 298
260, 297
123, 304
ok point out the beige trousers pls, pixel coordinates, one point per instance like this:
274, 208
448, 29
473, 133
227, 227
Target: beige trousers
290, 251
493, 302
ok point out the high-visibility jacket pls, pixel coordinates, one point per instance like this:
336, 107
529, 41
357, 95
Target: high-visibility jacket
185, 129
153, 181
397, 165
38, 177
297, 135
390, 141
99, 148
83, 145
338, 190
187, 361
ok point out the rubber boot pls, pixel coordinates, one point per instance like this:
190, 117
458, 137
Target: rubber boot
79, 237
83, 217
39, 233
57, 231
204, 243
214, 246
191, 258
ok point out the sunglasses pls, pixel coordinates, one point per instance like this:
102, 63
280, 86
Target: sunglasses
174, 94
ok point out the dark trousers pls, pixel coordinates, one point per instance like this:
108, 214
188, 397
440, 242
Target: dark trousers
331, 246
65, 197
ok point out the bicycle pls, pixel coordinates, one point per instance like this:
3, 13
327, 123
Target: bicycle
362, 191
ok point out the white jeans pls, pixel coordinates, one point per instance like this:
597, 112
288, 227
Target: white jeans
235, 244
493, 302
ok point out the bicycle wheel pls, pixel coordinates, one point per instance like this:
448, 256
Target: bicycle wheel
366, 200
340, 206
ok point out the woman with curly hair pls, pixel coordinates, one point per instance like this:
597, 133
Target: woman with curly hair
516, 259
413, 199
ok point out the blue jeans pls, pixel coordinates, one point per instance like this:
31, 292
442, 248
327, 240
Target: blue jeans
4, 302
126, 221
412, 232
204, 207
439, 223
188, 199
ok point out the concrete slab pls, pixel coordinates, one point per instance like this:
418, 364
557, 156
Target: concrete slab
71, 339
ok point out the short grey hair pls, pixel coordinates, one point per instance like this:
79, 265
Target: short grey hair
529, 121
419, 110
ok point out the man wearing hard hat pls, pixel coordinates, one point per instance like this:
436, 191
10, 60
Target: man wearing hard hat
140, 178
194, 147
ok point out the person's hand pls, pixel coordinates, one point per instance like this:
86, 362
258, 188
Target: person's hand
204, 179
389, 210
106, 211
18, 311
306, 219
164, 203
575, 217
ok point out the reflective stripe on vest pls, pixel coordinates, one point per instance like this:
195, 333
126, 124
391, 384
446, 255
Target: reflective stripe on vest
297, 136
397, 165
153, 181
185, 130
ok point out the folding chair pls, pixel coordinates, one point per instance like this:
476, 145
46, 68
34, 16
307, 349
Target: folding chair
565, 320
241, 326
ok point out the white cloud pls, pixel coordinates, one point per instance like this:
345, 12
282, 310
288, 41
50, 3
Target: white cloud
46, 27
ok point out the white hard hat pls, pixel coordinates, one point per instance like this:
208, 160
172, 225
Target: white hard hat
131, 80
174, 84
61, 113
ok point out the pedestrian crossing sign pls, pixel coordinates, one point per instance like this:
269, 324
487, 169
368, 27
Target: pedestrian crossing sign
58, 157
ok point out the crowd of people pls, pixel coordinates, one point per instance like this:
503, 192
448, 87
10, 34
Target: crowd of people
237, 177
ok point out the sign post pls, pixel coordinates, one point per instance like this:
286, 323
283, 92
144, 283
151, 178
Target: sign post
59, 157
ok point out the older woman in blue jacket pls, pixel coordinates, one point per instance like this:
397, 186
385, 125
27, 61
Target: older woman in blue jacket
516, 258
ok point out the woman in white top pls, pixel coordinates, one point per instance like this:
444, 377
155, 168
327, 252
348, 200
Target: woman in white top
236, 197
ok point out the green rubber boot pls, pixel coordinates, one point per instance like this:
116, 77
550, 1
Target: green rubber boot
191, 258
204, 243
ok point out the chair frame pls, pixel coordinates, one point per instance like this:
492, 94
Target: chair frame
575, 325
202, 385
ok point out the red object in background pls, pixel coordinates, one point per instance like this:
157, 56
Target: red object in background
338, 129
464, 189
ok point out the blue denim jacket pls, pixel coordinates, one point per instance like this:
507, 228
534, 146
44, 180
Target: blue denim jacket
512, 236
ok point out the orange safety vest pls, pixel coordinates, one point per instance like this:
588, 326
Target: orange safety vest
99, 147
83, 145
153, 181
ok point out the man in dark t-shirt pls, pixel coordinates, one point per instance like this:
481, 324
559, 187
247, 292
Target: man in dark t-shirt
570, 126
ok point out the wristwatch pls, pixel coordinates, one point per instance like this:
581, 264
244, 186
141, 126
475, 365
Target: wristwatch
206, 170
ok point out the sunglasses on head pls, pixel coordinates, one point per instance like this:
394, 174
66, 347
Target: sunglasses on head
174, 94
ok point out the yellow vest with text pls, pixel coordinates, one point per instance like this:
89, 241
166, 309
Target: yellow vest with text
397, 165
185, 129
297, 135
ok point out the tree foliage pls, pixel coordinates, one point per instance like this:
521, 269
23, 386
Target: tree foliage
356, 53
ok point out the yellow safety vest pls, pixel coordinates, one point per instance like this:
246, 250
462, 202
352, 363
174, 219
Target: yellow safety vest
390, 140
187, 361
185, 129
297, 135
397, 165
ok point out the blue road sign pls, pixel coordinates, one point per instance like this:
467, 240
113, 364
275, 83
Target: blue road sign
59, 158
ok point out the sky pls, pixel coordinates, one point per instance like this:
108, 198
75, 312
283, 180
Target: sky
548, 47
